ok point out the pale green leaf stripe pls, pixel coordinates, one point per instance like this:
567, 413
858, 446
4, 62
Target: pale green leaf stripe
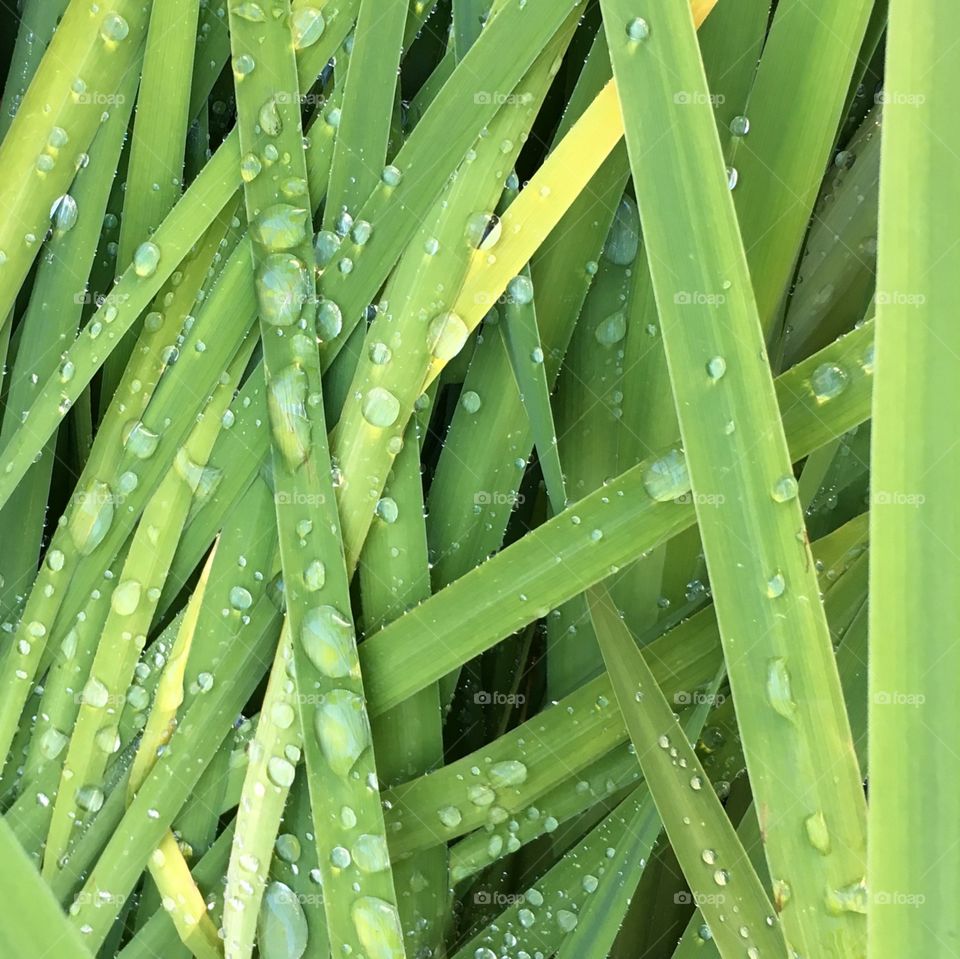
548, 566
776, 641
915, 514
713, 860
31, 921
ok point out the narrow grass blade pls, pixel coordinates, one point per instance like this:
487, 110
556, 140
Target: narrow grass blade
750, 521
359, 895
713, 861
155, 172
914, 609
794, 112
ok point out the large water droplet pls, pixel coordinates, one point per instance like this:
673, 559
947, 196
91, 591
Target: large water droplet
828, 381
520, 290
785, 489
327, 638
282, 289
269, 118
280, 227
114, 28
64, 213
638, 29
817, 832
251, 12
623, 240
509, 772
667, 478
286, 401
141, 441
370, 853
779, 693
329, 320
342, 729
446, 336
126, 597
380, 407
378, 927
281, 924
91, 517
146, 259
306, 24
612, 329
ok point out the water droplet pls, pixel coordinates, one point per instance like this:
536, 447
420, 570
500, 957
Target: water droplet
307, 26
361, 232
391, 176
140, 441
470, 401
483, 230
623, 240
566, 920
387, 509
91, 517
638, 29
280, 227
520, 290
828, 381
146, 259
733, 177
55, 560
370, 853
785, 489
817, 832
282, 289
286, 401
716, 367
342, 729
240, 598
325, 246
126, 597
446, 336
64, 213
509, 772
450, 816
340, 857
378, 927
721, 877
269, 118
288, 847
328, 640
740, 126
329, 320
90, 798
243, 65
611, 330
280, 771
380, 407
281, 924
481, 795
779, 693
252, 12
852, 898
776, 585
667, 478
114, 28
250, 167
52, 742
